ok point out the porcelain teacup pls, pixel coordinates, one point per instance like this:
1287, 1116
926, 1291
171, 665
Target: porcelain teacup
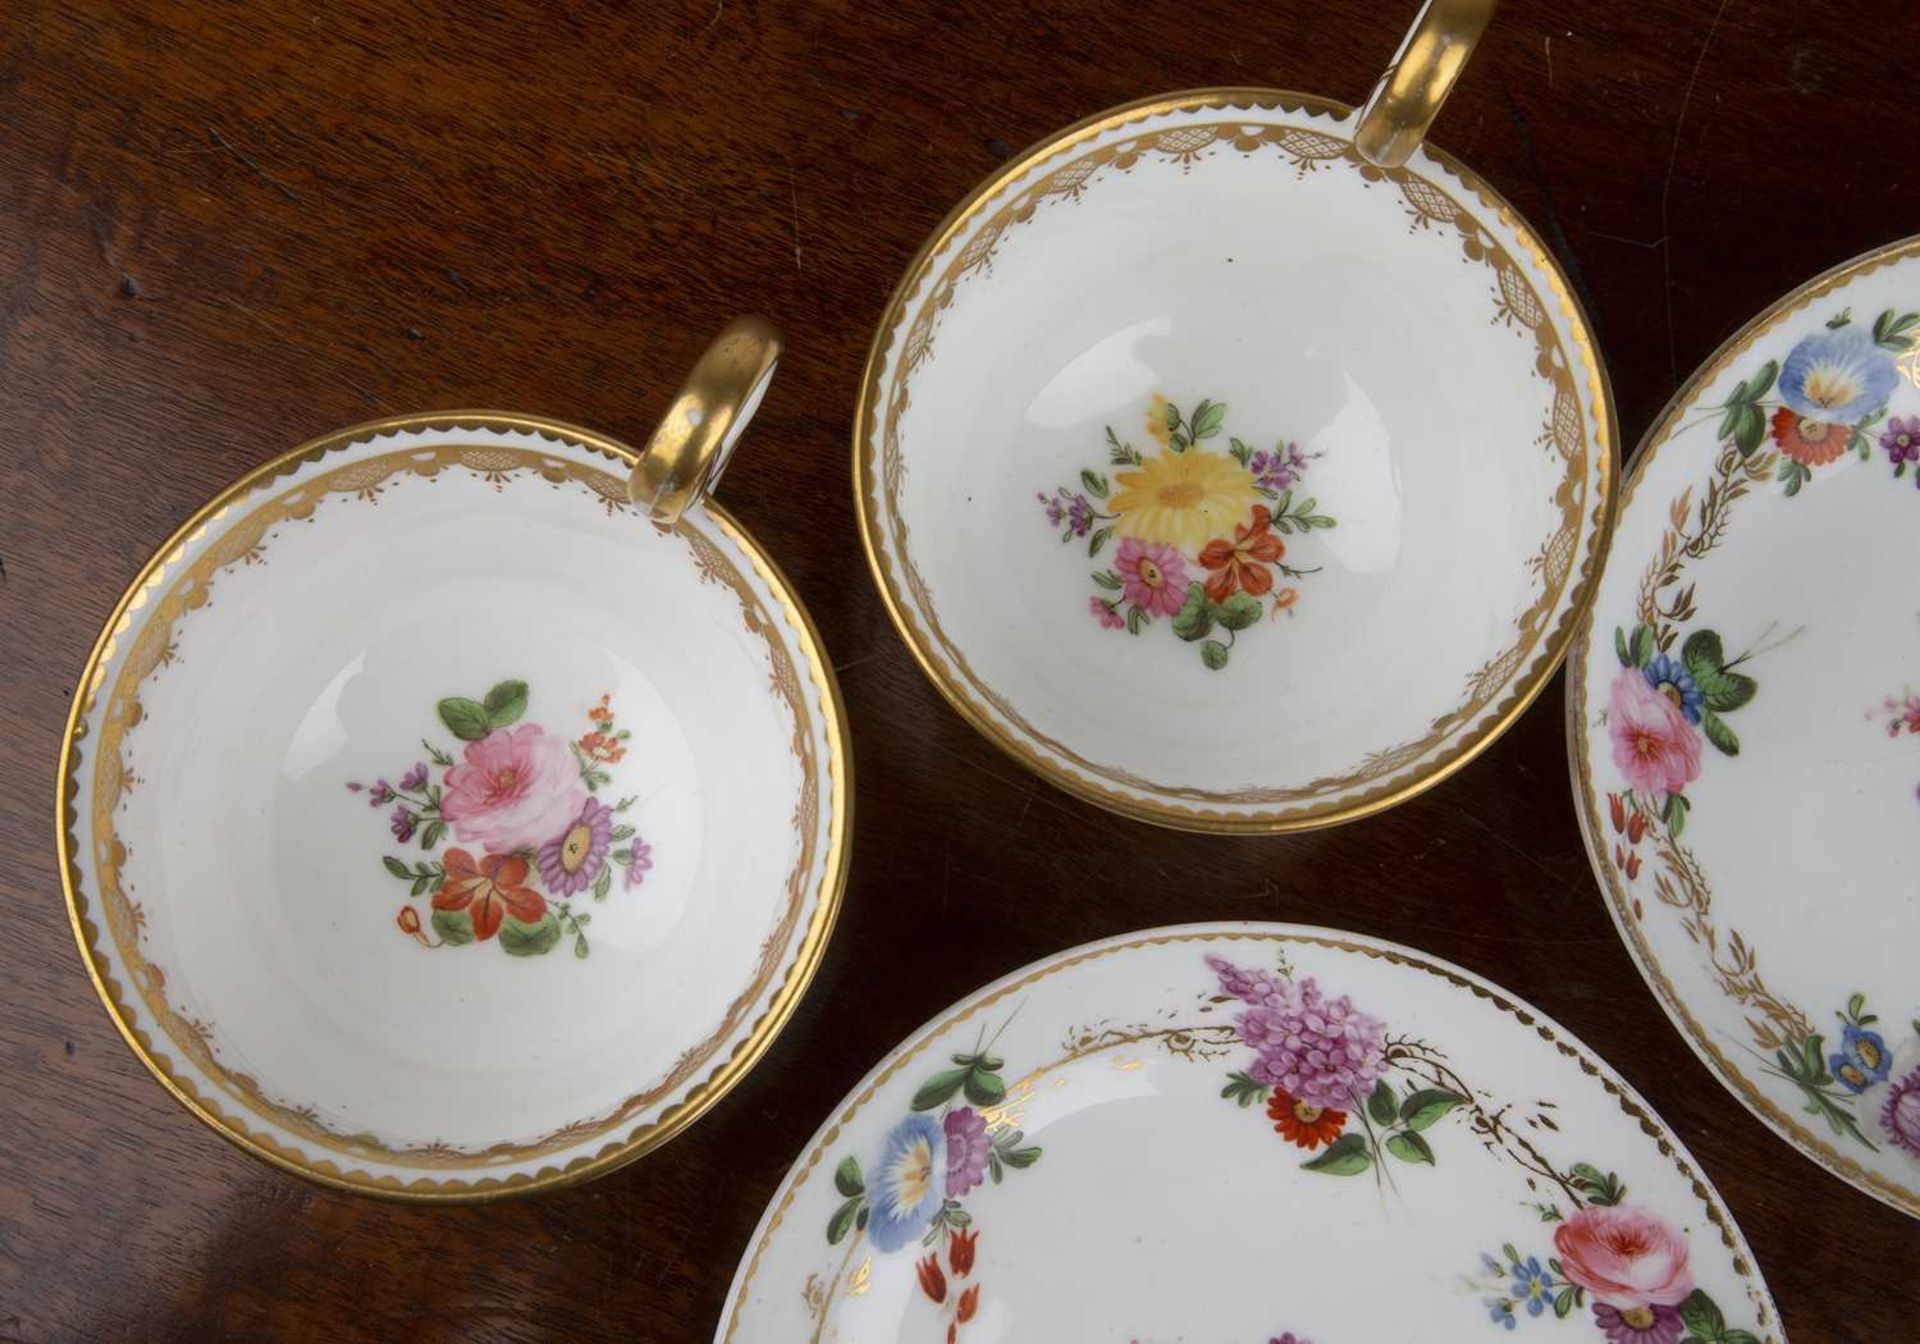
434, 827
1238, 461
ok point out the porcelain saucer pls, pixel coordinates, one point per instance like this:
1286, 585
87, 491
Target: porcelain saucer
1244, 1132
1743, 716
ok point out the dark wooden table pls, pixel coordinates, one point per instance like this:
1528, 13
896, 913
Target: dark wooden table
225, 228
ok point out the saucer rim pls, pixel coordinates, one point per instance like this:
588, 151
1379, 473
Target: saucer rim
1769, 1112
1522, 690
562, 1171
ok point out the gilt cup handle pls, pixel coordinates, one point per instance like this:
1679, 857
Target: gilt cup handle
1408, 97
689, 449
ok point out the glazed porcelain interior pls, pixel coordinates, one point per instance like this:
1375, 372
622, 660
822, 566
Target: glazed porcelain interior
1139, 1141
465, 823
1745, 719
1330, 444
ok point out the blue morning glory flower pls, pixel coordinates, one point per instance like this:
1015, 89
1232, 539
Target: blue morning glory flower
1861, 1060
1533, 1285
907, 1186
1836, 377
1666, 675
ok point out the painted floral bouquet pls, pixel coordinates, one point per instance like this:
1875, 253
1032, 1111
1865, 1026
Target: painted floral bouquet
534, 834
1201, 529
1830, 398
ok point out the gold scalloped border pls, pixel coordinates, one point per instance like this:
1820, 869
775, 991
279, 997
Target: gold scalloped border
1619, 900
1394, 954
641, 1139
1503, 670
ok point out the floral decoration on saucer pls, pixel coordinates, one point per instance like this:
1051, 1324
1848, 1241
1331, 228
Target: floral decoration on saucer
1741, 711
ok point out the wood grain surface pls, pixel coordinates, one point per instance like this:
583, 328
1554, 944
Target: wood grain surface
227, 227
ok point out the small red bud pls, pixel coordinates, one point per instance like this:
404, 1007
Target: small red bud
932, 1282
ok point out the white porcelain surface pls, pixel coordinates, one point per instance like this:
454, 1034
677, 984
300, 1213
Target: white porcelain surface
353, 1021
1401, 331
1789, 888
1145, 1191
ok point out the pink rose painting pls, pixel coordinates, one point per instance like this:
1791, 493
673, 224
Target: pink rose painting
1627, 1258
517, 789
523, 800
1653, 744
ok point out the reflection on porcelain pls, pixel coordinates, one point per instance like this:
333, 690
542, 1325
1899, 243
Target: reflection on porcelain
1299, 412
437, 684
1748, 820
1277, 1114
